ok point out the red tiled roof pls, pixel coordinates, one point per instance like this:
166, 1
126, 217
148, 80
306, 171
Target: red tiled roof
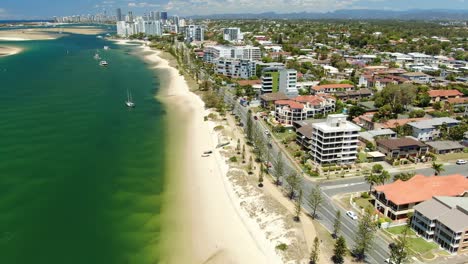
443, 93
421, 188
291, 104
460, 100
333, 86
311, 99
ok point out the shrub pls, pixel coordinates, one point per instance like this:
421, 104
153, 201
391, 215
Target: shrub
297, 154
233, 159
205, 118
365, 195
217, 128
282, 247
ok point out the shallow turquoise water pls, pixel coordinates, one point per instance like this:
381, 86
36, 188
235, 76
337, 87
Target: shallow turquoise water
81, 176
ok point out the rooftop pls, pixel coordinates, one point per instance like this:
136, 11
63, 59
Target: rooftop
392, 123
369, 135
290, 103
336, 123
444, 93
421, 188
397, 143
431, 123
333, 86
269, 97
445, 145
450, 211
306, 131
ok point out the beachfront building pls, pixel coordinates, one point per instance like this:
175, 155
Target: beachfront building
232, 34
139, 25
288, 82
396, 200
427, 130
194, 33
211, 53
302, 107
236, 68
443, 220
334, 141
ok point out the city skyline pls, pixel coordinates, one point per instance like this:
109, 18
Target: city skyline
36, 10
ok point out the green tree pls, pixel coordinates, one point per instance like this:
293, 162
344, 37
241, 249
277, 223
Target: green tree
294, 182
337, 224
298, 206
377, 168
457, 132
315, 199
278, 167
260, 175
355, 111
437, 167
404, 176
371, 179
399, 249
340, 250
315, 252
249, 126
364, 235
384, 176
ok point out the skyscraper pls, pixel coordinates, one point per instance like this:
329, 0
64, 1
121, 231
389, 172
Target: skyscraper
130, 16
164, 16
119, 14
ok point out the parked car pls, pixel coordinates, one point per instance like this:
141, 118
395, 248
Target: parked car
208, 152
460, 162
267, 132
351, 214
389, 261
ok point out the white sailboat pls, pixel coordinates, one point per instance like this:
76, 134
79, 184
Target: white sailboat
129, 102
103, 63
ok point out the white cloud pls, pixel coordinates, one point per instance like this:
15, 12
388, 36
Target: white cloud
142, 4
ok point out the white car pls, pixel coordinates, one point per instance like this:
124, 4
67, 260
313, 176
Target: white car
267, 132
389, 261
352, 215
460, 162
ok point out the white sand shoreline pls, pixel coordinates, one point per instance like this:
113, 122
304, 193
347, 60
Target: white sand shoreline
221, 231
9, 50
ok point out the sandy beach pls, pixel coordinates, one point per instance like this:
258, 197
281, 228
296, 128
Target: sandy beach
44, 33
210, 226
8, 50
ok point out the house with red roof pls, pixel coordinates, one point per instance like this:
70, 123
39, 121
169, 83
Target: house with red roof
332, 88
444, 95
397, 199
302, 107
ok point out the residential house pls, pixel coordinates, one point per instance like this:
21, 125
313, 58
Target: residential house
268, 100
354, 95
302, 107
395, 200
418, 77
444, 95
445, 146
430, 129
372, 135
443, 220
398, 148
332, 88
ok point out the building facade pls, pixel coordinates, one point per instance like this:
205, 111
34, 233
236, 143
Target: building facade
236, 68
334, 141
427, 130
443, 220
232, 34
302, 107
194, 33
288, 82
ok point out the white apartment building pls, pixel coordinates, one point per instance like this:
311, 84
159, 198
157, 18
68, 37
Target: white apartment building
194, 33
288, 82
236, 68
421, 58
232, 34
334, 141
237, 52
139, 25
302, 107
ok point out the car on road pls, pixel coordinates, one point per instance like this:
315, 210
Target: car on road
389, 261
208, 152
267, 132
460, 162
351, 214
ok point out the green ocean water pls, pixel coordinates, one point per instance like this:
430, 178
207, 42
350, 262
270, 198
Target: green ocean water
81, 176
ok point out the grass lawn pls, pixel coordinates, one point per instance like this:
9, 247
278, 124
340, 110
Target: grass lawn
452, 156
363, 203
398, 230
362, 157
420, 245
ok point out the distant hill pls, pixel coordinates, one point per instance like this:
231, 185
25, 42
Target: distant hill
433, 14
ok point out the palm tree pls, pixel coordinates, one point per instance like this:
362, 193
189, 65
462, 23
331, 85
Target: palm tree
384, 176
438, 168
371, 179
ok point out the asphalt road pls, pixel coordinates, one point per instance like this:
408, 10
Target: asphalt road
327, 211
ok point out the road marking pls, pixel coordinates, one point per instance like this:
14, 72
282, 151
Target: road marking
341, 185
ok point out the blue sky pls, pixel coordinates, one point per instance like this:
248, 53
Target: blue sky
35, 9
